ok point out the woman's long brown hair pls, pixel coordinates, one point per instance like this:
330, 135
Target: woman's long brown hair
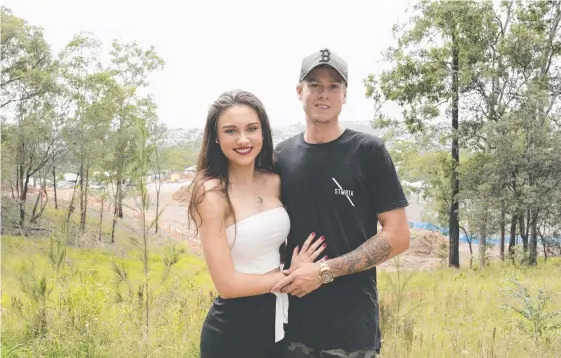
212, 163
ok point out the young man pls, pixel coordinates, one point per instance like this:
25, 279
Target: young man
338, 183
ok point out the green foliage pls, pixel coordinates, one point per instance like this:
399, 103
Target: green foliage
81, 315
419, 81
534, 319
439, 188
178, 157
27, 67
71, 111
509, 124
35, 287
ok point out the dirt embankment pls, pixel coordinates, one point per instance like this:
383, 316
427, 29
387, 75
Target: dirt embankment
182, 195
427, 243
427, 250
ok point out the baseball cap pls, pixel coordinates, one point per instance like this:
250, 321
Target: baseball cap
321, 58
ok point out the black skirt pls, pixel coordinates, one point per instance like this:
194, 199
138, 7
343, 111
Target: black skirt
241, 327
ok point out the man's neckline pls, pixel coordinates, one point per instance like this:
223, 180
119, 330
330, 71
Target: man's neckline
324, 144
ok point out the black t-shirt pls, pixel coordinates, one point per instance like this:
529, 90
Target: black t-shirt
336, 189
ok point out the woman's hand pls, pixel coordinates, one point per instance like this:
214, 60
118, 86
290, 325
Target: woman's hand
309, 252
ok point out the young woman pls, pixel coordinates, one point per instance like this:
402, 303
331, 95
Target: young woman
242, 224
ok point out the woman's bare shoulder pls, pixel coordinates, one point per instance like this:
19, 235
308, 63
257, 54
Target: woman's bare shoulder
213, 184
210, 194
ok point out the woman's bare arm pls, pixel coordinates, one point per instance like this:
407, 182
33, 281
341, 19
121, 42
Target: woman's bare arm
212, 232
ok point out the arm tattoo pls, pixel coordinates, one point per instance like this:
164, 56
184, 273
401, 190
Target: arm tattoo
373, 252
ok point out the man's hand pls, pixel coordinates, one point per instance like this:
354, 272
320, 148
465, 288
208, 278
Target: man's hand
301, 281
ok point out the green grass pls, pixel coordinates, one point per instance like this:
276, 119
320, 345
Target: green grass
90, 312
451, 313
85, 310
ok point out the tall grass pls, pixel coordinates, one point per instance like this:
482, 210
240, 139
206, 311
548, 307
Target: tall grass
88, 311
61, 298
467, 313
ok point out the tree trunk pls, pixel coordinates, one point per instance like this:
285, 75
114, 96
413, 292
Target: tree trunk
54, 188
22, 201
523, 232
115, 212
120, 202
157, 208
512, 241
85, 196
482, 250
43, 205
34, 211
503, 223
82, 202
543, 239
35, 216
454, 225
533, 258
18, 186
21, 188
483, 243
514, 217
101, 217
71, 206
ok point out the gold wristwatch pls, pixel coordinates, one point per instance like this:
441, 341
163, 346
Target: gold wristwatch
325, 273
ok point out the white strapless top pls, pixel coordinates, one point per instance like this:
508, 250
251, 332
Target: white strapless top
254, 245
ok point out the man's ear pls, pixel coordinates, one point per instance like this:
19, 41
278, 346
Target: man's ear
299, 88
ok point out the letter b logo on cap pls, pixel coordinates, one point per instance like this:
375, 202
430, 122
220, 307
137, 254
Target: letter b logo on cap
325, 56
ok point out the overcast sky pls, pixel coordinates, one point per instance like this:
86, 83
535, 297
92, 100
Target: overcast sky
213, 46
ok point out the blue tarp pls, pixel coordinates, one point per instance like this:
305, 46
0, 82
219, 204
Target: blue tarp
494, 240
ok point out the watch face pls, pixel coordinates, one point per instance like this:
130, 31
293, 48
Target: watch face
326, 277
